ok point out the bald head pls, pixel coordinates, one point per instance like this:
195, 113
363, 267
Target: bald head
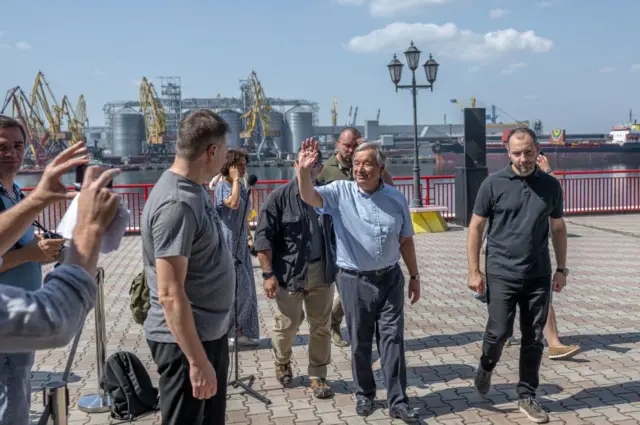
347, 143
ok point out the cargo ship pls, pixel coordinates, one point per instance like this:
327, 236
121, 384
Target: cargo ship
621, 140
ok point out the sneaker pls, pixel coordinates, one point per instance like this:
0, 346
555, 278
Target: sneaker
321, 388
482, 381
563, 352
245, 341
530, 407
336, 338
284, 374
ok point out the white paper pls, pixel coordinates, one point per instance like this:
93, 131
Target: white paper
112, 237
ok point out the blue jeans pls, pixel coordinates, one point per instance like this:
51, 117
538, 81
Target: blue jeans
15, 388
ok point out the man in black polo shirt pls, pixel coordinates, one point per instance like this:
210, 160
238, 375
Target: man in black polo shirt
518, 202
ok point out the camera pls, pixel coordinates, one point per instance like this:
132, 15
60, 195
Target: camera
81, 169
51, 235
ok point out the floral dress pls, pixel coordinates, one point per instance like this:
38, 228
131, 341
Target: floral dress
231, 224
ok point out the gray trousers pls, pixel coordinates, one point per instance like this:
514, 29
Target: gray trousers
368, 300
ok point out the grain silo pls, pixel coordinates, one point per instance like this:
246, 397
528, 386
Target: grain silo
276, 124
299, 127
234, 119
128, 132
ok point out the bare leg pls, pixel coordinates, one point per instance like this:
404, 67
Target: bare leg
557, 350
551, 330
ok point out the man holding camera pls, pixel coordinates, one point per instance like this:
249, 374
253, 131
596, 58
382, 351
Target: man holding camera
22, 265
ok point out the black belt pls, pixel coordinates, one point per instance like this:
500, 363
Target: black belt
378, 272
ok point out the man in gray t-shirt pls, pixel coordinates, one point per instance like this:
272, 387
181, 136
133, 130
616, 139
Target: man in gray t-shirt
191, 277
179, 220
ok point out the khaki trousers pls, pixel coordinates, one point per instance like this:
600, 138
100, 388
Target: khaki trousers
317, 300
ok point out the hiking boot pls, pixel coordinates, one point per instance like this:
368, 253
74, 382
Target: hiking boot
482, 381
336, 338
321, 388
530, 407
563, 352
284, 374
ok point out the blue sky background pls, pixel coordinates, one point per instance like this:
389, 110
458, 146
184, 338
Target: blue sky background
575, 72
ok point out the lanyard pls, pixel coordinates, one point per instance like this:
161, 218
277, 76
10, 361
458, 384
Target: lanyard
19, 196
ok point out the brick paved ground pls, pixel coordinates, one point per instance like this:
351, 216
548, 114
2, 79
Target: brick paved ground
599, 310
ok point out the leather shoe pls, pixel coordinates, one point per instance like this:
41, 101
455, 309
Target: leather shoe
403, 413
364, 407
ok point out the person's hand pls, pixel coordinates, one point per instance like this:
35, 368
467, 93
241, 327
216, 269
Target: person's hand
476, 283
414, 290
50, 188
543, 163
97, 205
270, 286
308, 155
203, 380
559, 282
43, 250
360, 141
234, 173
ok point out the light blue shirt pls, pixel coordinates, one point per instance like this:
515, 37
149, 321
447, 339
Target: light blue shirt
27, 276
368, 227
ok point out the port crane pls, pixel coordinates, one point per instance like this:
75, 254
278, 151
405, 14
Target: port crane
155, 116
46, 107
493, 116
351, 118
258, 117
35, 129
334, 119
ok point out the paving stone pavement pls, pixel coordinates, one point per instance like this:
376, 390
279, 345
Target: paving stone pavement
598, 310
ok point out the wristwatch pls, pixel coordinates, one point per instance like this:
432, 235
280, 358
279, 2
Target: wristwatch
416, 277
564, 271
548, 171
267, 275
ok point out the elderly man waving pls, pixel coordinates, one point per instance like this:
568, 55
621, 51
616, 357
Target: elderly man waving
373, 229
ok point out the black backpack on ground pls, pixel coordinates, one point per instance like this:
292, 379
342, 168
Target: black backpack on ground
129, 386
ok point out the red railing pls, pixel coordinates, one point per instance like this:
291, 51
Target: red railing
585, 192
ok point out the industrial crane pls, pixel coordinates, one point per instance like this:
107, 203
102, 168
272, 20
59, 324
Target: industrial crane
334, 119
155, 116
258, 116
51, 112
35, 129
493, 117
76, 118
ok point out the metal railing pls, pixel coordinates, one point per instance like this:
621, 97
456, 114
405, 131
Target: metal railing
585, 192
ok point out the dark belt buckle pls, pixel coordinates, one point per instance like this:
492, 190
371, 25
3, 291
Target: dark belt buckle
380, 272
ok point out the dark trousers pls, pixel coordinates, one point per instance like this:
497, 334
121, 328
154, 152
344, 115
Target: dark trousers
533, 297
177, 405
369, 300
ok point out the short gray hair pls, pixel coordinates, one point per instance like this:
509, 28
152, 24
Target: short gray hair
381, 158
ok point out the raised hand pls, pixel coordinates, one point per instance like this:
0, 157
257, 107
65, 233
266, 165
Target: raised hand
97, 205
50, 188
308, 155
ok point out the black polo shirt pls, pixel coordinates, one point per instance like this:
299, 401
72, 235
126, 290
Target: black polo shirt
518, 211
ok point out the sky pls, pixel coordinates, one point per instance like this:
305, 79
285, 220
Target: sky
574, 64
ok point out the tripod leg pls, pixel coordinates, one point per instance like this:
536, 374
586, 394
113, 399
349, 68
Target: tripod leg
249, 391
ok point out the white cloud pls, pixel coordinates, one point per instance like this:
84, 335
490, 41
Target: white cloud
513, 68
392, 7
546, 3
21, 45
532, 97
351, 2
635, 67
607, 70
497, 13
450, 41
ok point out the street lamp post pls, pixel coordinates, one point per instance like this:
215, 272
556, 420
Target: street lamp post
412, 55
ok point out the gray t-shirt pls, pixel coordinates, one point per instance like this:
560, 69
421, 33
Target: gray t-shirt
179, 220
